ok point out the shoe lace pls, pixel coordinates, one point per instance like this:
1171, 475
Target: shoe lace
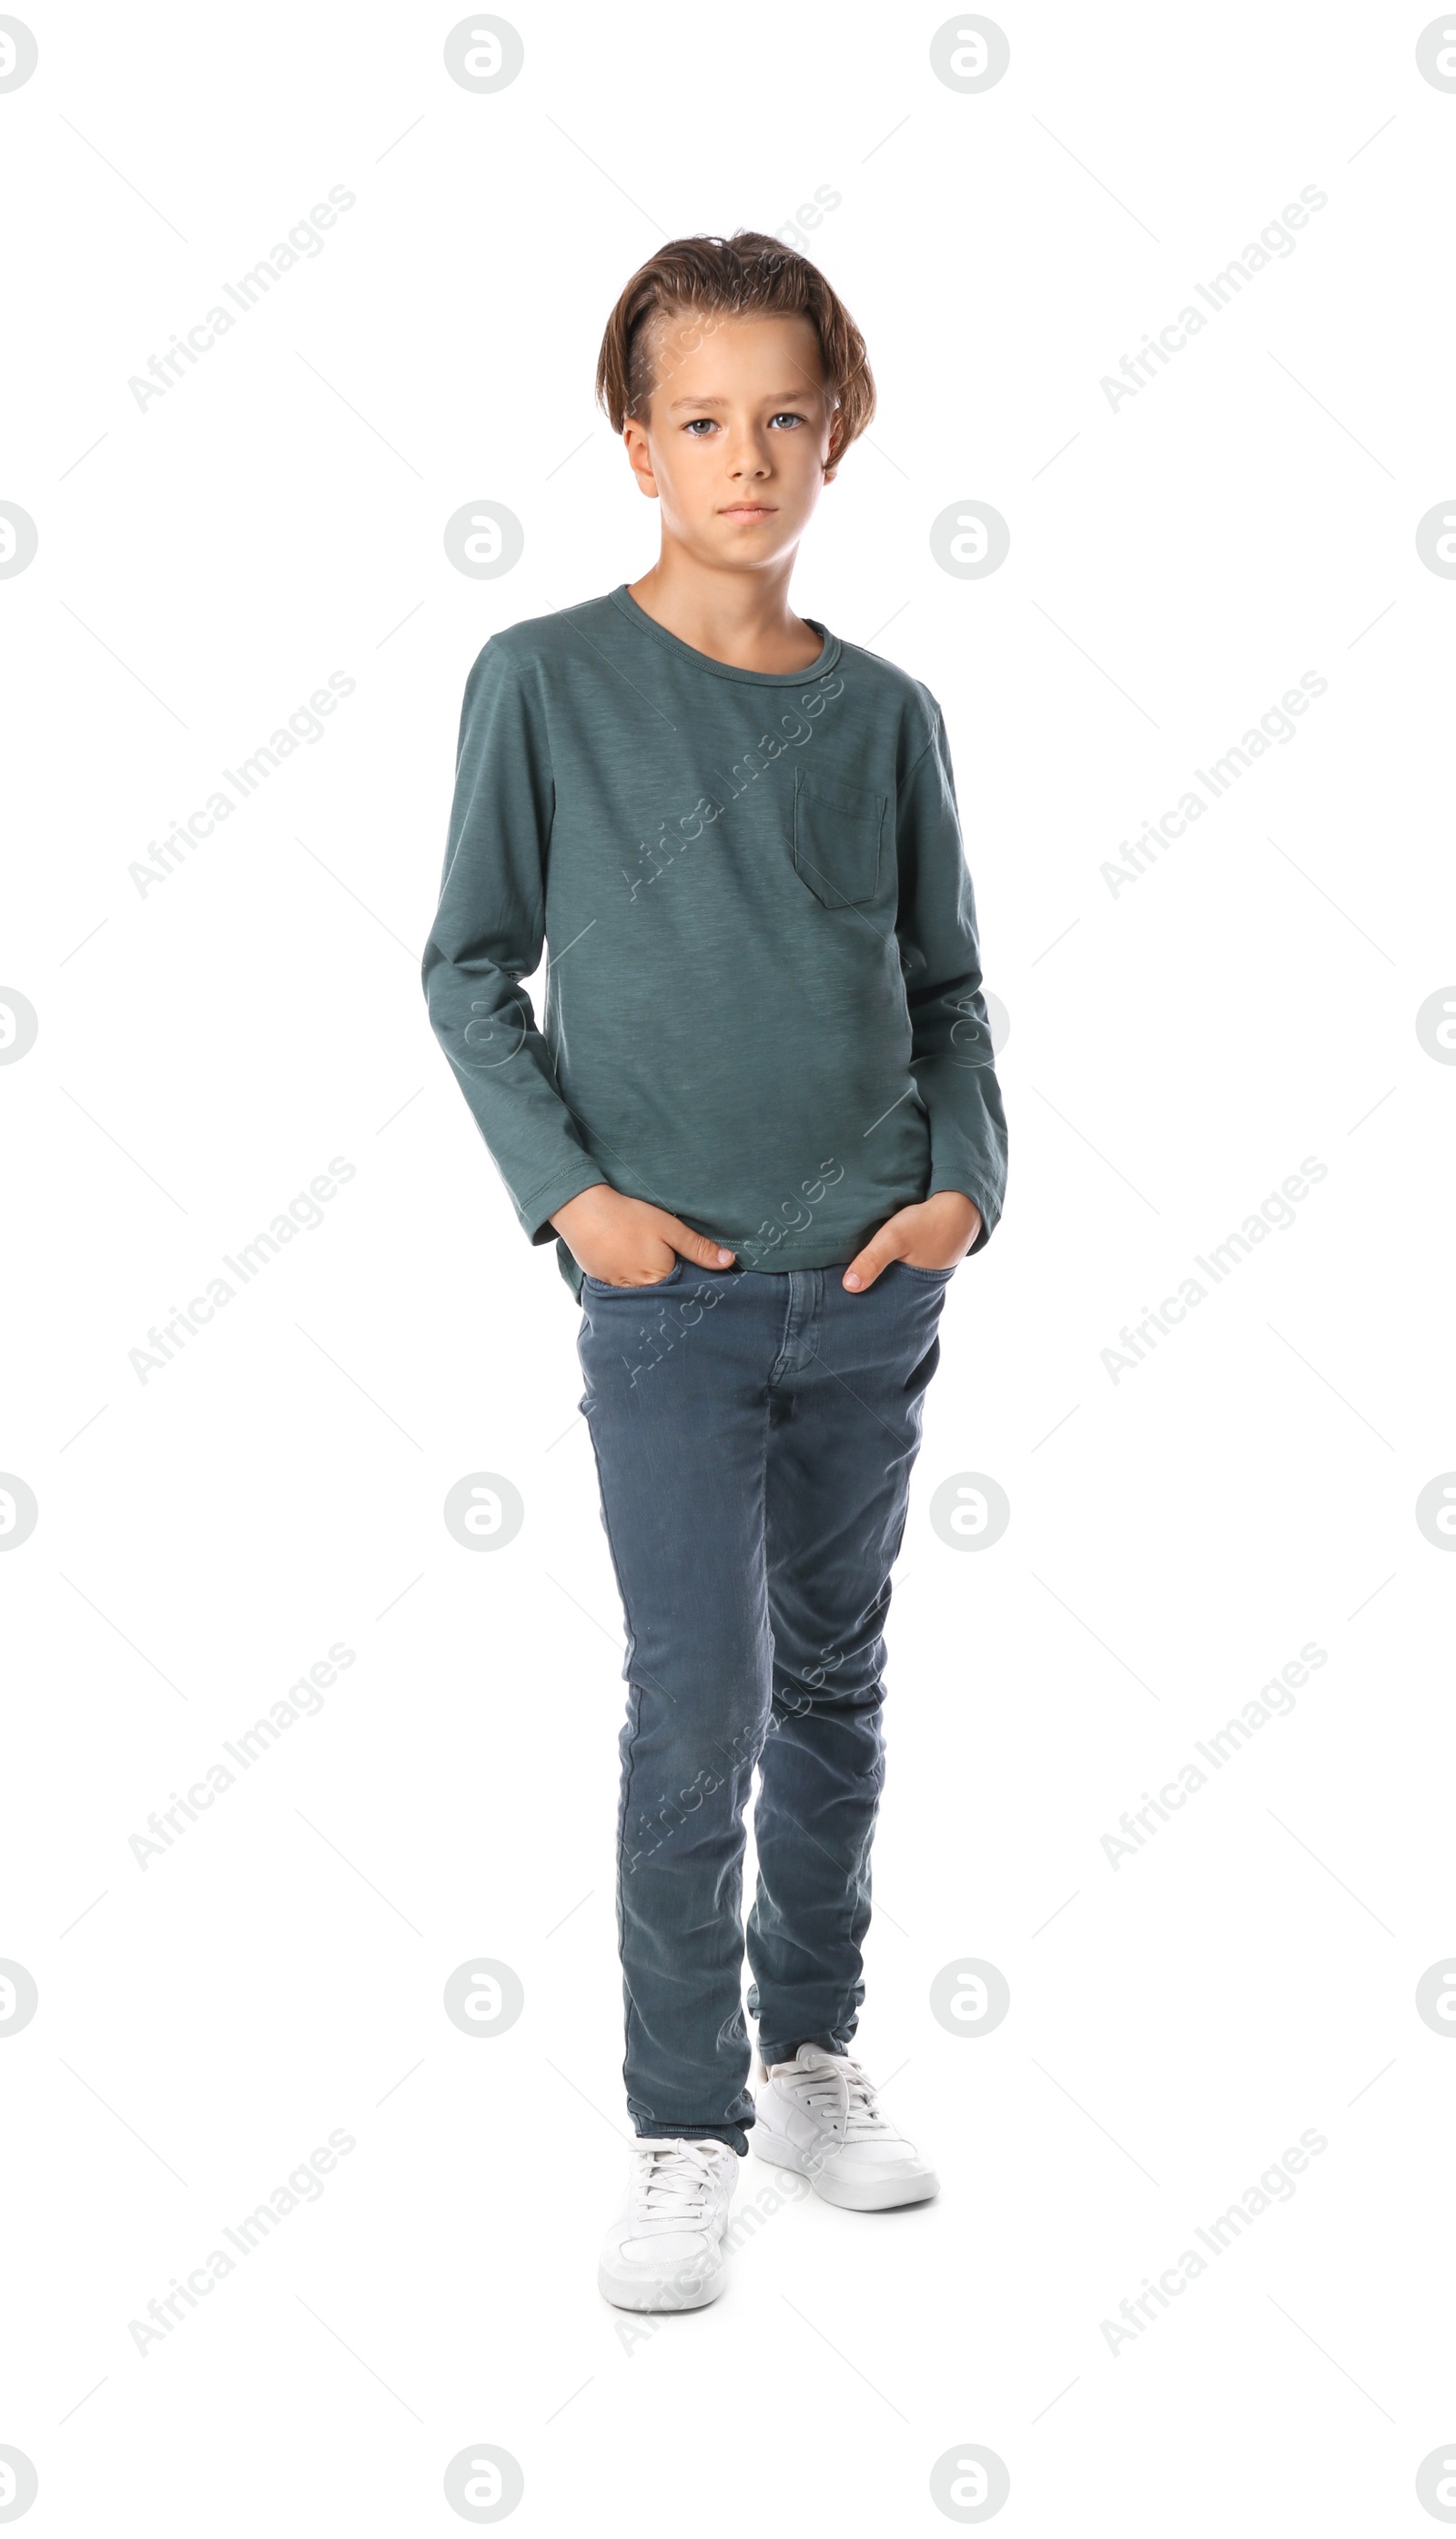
841, 2082
674, 2181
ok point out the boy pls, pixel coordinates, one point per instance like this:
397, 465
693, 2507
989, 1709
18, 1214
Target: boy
761, 1119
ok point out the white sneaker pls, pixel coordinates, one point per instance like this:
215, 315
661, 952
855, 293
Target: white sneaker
665, 2250
819, 2114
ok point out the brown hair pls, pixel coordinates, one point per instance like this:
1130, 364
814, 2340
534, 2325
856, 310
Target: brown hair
747, 274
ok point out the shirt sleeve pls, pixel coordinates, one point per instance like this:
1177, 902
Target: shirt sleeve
940, 958
488, 933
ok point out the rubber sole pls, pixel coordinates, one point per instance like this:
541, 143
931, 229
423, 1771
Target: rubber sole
852, 2195
625, 2294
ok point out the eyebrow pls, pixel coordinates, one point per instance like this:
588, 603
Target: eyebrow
790, 396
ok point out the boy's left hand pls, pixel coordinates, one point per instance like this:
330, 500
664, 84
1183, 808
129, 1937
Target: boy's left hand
932, 1235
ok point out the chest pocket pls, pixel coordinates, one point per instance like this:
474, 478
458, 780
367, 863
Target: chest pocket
837, 834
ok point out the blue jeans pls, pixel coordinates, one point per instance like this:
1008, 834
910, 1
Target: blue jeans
754, 1434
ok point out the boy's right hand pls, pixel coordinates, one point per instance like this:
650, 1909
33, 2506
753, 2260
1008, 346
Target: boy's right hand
629, 1243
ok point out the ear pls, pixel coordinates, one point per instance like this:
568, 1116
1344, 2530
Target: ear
638, 459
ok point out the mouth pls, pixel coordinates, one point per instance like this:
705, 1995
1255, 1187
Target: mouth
747, 511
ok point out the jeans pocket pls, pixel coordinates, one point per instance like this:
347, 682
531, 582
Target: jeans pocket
643, 1287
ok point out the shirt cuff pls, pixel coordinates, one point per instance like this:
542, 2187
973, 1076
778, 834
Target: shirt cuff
536, 1212
986, 1206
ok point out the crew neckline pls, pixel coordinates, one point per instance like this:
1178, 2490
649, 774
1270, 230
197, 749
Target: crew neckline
636, 615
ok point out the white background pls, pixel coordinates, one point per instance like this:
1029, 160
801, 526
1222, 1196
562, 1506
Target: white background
204, 1049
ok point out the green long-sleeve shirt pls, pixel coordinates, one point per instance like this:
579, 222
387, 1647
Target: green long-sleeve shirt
763, 1003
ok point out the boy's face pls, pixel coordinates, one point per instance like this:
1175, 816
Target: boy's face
736, 434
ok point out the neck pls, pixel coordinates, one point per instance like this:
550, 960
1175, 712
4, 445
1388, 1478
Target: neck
743, 619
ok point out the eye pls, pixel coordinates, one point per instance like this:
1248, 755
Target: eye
795, 419
700, 423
